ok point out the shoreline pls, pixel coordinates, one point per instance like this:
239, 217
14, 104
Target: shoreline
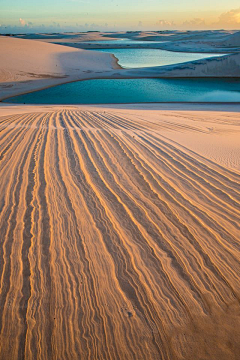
122, 103
184, 106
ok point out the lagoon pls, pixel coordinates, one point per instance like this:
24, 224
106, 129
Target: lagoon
137, 58
118, 91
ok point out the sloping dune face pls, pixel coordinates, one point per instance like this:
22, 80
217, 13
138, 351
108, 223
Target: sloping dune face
115, 243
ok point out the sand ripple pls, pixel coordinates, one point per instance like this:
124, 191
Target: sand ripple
115, 242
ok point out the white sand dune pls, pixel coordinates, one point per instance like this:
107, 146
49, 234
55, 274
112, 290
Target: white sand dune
221, 66
215, 41
27, 65
186, 41
119, 238
232, 40
204, 35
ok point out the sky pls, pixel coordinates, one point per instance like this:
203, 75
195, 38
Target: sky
28, 16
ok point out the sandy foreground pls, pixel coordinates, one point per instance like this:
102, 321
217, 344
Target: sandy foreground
120, 232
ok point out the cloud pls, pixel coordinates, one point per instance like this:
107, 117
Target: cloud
194, 22
164, 23
230, 18
25, 23
22, 22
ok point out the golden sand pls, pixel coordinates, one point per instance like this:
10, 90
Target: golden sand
116, 243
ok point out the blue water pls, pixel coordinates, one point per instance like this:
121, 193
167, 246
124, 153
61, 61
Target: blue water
130, 58
136, 91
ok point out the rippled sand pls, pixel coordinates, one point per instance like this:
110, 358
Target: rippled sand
116, 242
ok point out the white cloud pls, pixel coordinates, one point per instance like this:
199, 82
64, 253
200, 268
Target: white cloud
25, 23
164, 23
230, 18
22, 22
194, 22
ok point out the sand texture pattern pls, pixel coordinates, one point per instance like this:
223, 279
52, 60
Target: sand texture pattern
116, 243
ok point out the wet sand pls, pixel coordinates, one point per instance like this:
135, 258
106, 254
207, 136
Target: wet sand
118, 241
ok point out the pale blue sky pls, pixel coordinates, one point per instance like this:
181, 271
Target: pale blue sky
50, 15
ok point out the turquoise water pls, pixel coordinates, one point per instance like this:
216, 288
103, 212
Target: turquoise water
136, 91
130, 58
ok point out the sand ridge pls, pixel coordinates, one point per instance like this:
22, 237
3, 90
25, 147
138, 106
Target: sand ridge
116, 241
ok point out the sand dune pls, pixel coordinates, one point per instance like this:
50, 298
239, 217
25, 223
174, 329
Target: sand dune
116, 242
24, 60
27, 65
213, 41
167, 35
218, 67
232, 40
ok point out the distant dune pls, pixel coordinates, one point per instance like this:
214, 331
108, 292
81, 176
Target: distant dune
213, 41
119, 233
232, 40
